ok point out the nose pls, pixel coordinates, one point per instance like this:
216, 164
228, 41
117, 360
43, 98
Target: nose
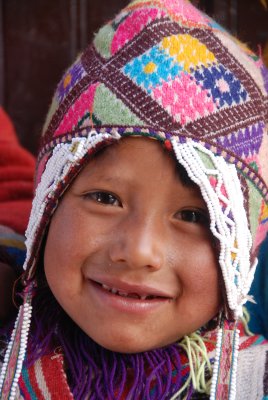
139, 244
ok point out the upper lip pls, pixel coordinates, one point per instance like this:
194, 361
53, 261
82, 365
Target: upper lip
140, 289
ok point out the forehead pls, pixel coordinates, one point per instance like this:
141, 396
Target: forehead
139, 164
128, 155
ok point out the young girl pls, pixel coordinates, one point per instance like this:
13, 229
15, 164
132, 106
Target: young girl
150, 206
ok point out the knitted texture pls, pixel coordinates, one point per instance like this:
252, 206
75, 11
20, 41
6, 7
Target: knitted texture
47, 379
163, 69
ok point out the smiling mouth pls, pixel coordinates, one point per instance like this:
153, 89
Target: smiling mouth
130, 295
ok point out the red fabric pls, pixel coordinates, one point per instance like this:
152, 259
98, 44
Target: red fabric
16, 178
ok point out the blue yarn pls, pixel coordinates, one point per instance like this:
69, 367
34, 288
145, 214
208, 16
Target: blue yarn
209, 77
166, 68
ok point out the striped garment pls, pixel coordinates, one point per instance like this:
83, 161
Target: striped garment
46, 379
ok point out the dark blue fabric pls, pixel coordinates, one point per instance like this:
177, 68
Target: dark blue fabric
259, 312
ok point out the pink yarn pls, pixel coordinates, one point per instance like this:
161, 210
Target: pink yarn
132, 26
41, 167
213, 181
184, 99
83, 104
186, 10
223, 85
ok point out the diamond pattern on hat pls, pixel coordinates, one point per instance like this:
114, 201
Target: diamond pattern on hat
224, 87
151, 68
188, 51
184, 99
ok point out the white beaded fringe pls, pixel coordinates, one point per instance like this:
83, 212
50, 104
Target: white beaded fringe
216, 365
64, 157
24, 313
228, 223
233, 233
233, 369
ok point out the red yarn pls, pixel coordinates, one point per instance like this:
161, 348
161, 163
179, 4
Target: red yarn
16, 178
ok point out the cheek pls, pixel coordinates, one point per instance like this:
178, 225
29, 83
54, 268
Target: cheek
61, 257
198, 271
72, 240
68, 236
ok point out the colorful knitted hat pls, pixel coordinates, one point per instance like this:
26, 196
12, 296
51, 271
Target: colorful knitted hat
162, 69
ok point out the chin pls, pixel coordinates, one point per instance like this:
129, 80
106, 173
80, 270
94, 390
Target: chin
128, 344
123, 347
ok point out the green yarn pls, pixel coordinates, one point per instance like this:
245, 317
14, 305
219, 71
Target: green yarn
103, 40
206, 159
91, 118
199, 363
255, 200
112, 111
245, 321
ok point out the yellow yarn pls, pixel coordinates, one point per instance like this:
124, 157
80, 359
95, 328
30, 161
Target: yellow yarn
264, 211
188, 51
245, 320
67, 80
149, 68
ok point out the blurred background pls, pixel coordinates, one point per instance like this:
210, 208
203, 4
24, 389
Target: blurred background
40, 38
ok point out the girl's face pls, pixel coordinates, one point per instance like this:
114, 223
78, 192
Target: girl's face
129, 253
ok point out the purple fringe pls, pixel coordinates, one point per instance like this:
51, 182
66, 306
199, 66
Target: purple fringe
95, 371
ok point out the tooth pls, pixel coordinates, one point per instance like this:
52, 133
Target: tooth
143, 297
105, 287
114, 291
124, 294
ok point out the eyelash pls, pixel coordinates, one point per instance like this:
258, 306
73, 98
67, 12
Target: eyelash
109, 199
105, 198
193, 216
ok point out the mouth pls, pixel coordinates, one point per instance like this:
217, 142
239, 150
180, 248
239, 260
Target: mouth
140, 294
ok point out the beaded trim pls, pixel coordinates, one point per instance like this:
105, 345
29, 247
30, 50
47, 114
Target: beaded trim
63, 159
162, 135
223, 383
222, 193
219, 186
220, 189
15, 353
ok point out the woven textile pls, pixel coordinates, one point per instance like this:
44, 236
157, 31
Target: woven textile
46, 379
163, 69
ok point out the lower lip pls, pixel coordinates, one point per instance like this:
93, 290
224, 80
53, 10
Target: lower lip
125, 304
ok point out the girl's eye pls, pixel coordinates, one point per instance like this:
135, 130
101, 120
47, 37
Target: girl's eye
105, 198
193, 216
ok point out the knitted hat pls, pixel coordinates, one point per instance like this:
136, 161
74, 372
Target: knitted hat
162, 69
